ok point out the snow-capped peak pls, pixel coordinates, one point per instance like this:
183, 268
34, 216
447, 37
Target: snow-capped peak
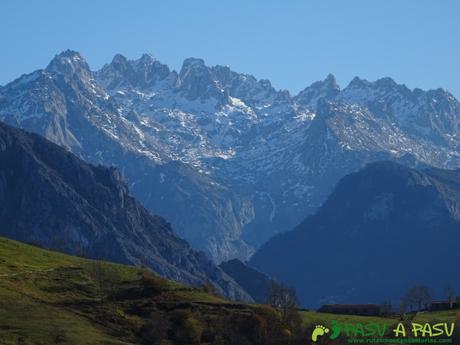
70, 63
283, 153
327, 88
140, 74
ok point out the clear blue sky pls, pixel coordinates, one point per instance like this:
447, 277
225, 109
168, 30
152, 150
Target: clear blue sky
290, 42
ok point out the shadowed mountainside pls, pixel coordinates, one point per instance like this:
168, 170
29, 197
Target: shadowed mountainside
50, 197
383, 229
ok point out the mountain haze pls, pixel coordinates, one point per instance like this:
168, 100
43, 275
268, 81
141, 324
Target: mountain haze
383, 230
226, 158
51, 198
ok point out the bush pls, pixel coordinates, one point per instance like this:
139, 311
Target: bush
105, 277
151, 284
187, 329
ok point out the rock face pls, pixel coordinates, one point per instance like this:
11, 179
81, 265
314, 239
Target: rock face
383, 230
256, 283
226, 158
50, 197
68, 106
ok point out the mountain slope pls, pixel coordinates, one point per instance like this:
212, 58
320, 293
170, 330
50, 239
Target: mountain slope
254, 282
229, 160
52, 298
48, 298
383, 229
49, 196
67, 105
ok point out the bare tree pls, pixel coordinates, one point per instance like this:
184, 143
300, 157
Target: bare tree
419, 295
285, 299
105, 277
210, 289
82, 251
386, 308
449, 293
58, 336
58, 244
402, 309
281, 296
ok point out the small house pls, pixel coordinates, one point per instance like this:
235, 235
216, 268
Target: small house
444, 305
352, 309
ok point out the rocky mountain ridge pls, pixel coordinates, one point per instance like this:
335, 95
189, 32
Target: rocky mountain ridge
51, 198
226, 158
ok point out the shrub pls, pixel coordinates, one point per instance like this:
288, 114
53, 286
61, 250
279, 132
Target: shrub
187, 329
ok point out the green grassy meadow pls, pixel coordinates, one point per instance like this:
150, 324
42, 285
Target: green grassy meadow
52, 298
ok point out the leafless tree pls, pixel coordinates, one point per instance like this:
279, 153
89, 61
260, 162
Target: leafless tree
82, 251
449, 293
58, 244
104, 276
58, 336
285, 299
402, 309
282, 297
386, 307
419, 295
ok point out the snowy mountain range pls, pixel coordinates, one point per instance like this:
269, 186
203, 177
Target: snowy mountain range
226, 158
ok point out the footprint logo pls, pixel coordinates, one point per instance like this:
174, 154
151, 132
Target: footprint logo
319, 331
336, 329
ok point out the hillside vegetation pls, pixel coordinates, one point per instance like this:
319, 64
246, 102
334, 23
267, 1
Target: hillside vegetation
52, 298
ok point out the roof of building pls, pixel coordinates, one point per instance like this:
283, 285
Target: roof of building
350, 306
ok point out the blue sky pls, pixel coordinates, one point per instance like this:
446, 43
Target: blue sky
292, 43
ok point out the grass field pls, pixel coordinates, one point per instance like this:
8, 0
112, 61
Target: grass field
313, 317
52, 298
46, 295
39, 293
